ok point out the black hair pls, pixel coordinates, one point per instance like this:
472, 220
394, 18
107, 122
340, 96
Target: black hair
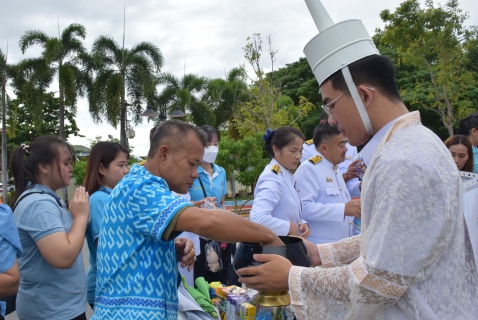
174, 132
104, 152
210, 132
466, 124
24, 161
324, 132
375, 70
463, 140
324, 116
280, 138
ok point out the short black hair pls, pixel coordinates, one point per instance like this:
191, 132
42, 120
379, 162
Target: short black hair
376, 70
324, 132
466, 124
174, 132
280, 138
210, 132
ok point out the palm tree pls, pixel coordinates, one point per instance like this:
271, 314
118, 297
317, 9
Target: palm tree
223, 94
122, 74
186, 94
62, 55
3, 84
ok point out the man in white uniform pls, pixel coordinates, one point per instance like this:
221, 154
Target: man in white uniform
326, 202
350, 172
413, 259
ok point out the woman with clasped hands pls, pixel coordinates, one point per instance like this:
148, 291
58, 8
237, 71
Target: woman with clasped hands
53, 282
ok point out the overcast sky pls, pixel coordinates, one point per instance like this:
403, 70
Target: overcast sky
207, 35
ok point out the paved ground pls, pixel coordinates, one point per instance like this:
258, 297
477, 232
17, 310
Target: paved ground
89, 313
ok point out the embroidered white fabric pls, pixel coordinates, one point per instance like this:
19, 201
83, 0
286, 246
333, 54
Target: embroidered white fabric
414, 258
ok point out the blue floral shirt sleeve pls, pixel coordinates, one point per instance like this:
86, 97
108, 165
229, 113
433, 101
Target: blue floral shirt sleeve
10, 247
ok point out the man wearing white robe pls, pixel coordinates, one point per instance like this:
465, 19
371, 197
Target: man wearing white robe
414, 259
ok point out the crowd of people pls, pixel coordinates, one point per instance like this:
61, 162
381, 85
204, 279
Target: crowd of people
410, 258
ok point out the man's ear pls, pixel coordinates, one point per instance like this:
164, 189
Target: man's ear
366, 94
323, 149
163, 152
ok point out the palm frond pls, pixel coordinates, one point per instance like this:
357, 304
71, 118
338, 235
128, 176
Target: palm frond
31, 37
72, 31
149, 50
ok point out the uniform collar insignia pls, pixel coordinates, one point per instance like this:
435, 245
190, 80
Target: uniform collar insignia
315, 159
275, 168
309, 142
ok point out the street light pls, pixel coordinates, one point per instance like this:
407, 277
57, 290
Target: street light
177, 113
149, 112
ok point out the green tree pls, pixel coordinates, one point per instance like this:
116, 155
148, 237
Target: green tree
244, 158
79, 172
124, 78
406, 77
223, 96
265, 106
434, 39
62, 56
298, 81
22, 127
186, 93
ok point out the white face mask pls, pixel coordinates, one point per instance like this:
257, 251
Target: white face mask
210, 154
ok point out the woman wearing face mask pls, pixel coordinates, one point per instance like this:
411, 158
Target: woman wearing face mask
52, 284
461, 151
215, 259
276, 201
107, 165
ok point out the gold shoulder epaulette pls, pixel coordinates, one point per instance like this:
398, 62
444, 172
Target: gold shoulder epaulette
142, 163
315, 159
309, 142
276, 169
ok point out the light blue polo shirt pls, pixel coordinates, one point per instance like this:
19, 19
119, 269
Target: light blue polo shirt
218, 187
136, 268
97, 207
46, 292
475, 159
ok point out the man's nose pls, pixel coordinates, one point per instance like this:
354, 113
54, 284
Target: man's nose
195, 173
332, 121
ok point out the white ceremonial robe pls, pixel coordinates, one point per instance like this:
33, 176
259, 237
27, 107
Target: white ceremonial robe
414, 258
353, 185
470, 211
276, 201
324, 194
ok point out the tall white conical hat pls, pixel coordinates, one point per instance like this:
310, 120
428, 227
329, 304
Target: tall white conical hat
335, 47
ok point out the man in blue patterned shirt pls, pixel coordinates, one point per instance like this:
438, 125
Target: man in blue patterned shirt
137, 254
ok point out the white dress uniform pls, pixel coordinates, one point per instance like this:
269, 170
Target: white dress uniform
276, 201
353, 185
324, 193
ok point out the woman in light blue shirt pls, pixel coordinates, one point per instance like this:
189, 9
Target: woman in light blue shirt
107, 165
214, 262
52, 283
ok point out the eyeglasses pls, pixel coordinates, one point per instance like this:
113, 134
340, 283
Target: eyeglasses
329, 106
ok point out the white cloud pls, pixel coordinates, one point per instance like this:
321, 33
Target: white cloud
207, 34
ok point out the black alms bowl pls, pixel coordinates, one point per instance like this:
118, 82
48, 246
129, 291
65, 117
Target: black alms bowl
294, 250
